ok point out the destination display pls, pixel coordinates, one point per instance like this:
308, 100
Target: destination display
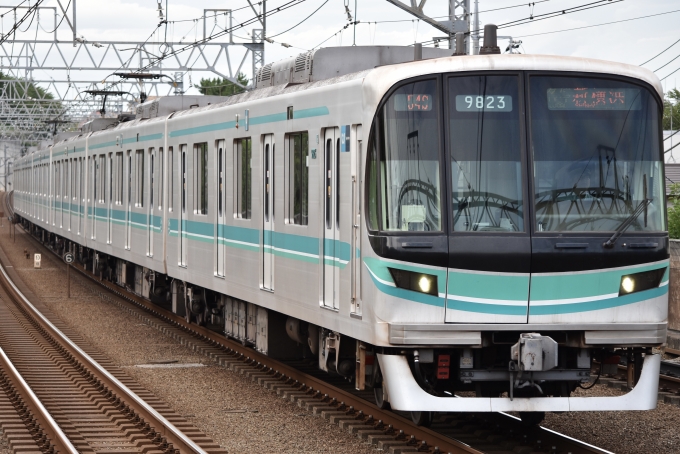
413, 102
593, 99
479, 103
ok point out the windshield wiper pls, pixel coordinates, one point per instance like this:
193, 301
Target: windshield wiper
625, 224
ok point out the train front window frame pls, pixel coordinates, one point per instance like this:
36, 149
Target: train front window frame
405, 108
484, 124
568, 206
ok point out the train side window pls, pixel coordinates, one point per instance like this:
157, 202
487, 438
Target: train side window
119, 179
243, 166
171, 180
220, 177
94, 181
201, 178
297, 178
102, 178
161, 171
152, 176
139, 173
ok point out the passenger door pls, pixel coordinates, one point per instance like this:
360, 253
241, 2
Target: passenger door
331, 229
128, 227
183, 206
355, 249
149, 214
268, 213
219, 228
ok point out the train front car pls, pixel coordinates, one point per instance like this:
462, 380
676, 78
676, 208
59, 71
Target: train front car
515, 211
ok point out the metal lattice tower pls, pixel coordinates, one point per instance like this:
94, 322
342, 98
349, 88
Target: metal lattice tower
97, 60
67, 67
460, 17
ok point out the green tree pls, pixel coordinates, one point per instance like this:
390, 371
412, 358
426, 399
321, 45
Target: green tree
224, 87
671, 104
674, 211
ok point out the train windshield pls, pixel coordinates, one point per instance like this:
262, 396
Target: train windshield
597, 155
486, 153
408, 161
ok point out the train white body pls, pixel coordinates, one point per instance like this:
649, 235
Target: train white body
176, 196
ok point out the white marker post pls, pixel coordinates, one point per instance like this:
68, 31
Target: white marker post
36, 261
68, 259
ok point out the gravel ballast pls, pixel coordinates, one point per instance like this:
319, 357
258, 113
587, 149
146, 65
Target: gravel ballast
238, 414
244, 417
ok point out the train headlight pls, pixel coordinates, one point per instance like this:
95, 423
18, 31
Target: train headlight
627, 284
425, 284
417, 282
638, 282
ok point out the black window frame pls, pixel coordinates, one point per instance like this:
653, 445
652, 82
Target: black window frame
376, 128
523, 146
530, 155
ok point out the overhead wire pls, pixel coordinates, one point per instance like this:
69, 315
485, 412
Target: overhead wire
299, 23
599, 25
532, 18
559, 13
278, 9
678, 41
17, 24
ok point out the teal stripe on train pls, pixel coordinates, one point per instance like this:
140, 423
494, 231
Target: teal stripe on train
263, 119
507, 294
298, 247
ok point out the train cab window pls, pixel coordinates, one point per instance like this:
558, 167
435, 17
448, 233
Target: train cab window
201, 178
598, 158
404, 174
139, 180
486, 157
298, 178
243, 168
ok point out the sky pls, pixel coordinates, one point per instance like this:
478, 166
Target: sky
381, 23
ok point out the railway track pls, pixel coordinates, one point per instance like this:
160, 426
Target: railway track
337, 401
71, 400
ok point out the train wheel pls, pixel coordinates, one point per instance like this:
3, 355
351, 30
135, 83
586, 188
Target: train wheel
532, 418
422, 418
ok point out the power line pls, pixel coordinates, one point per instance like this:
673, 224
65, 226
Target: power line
667, 63
31, 10
598, 25
574, 9
670, 74
223, 32
678, 41
273, 36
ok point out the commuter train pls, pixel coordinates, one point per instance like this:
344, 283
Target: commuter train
458, 233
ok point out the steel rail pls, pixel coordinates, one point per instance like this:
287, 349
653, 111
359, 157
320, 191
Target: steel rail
157, 421
433, 438
445, 444
49, 426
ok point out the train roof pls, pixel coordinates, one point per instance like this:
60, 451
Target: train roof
377, 80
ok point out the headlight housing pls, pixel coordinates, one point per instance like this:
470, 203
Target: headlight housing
417, 282
638, 282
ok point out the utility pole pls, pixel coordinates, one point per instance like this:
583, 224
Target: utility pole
475, 30
4, 163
